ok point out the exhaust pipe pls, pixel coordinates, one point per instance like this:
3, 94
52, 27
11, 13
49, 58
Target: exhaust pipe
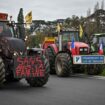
60, 42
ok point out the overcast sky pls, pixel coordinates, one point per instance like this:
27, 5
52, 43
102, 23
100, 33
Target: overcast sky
48, 9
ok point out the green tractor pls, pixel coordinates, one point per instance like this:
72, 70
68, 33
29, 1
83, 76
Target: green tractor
96, 39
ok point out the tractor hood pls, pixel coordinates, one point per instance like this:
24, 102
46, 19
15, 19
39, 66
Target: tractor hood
16, 44
80, 44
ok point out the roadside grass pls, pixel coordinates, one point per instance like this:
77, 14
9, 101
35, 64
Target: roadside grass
103, 73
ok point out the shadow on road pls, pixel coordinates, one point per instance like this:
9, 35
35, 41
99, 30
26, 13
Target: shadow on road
20, 86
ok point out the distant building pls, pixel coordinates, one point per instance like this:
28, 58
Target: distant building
46, 27
60, 21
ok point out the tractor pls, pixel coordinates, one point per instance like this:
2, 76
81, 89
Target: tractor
18, 62
94, 43
61, 56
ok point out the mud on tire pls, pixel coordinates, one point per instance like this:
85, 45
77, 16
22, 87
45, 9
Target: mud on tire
63, 65
40, 81
2, 72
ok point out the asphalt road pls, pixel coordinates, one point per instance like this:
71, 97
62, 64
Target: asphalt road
76, 90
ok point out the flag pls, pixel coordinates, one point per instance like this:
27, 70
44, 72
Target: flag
80, 31
73, 47
58, 28
28, 17
101, 52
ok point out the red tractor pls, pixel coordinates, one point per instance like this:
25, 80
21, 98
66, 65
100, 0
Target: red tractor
60, 53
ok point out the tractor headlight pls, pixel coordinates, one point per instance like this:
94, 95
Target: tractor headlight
81, 49
15, 53
85, 49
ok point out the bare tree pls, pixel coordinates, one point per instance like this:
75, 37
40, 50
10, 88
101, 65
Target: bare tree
89, 12
96, 6
102, 5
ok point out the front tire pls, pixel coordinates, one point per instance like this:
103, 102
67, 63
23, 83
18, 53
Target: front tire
51, 57
40, 81
63, 65
2, 72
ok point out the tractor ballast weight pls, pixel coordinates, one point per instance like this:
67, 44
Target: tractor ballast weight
61, 57
17, 62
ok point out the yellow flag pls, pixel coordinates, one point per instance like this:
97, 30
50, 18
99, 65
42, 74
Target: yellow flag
58, 28
28, 17
80, 31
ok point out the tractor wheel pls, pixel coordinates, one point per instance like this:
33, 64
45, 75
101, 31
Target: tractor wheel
51, 57
40, 81
2, 72
10, 78
63, 65
94, 69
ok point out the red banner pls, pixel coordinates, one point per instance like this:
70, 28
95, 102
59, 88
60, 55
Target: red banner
29, 66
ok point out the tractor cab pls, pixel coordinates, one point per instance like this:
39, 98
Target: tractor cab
65, 38
68, 35
6, 30
96, 40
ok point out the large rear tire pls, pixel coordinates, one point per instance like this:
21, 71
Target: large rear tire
40, 81
94, 69
51, 57
63, 65
2, 72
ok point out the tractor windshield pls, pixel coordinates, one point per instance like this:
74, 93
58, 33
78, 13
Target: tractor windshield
5, 30
67, 36
102, 40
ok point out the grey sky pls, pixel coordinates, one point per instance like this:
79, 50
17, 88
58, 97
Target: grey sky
48, 9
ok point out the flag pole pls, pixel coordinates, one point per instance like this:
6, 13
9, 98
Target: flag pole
80, 31
59, 37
